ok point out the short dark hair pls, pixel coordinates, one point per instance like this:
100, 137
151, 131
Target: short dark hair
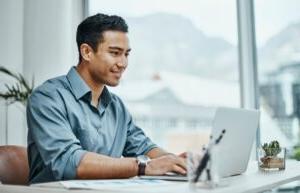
90, 30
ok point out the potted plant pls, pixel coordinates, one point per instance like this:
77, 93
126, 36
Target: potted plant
272, 156
18, 92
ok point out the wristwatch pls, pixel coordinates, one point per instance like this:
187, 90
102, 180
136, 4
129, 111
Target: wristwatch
142, 161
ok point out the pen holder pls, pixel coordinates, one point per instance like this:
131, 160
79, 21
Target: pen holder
209, 177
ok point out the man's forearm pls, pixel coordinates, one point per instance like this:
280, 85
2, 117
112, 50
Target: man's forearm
96, 166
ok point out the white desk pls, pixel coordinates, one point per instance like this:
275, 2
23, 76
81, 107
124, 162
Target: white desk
252, 181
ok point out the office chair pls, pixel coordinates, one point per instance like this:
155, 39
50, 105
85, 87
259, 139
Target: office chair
14, 168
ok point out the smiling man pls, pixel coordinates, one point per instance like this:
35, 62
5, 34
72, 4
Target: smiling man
80, 130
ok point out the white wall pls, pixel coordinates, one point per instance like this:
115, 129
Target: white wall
11, 56
11, 34
49, 37
37, 38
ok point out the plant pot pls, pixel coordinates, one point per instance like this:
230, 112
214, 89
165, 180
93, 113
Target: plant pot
271, 163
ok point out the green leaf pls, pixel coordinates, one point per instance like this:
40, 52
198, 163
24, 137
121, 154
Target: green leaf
271, 149
18, 92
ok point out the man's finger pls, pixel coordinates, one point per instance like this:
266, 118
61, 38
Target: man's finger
183, 155
179, 170
181, 162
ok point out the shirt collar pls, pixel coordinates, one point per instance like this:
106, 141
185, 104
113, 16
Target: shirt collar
80, 88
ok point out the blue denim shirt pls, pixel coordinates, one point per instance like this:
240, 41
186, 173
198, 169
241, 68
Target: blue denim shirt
63, 126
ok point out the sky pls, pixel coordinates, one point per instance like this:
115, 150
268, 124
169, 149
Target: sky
213, 17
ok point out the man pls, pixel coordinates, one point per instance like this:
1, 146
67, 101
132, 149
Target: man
78, 129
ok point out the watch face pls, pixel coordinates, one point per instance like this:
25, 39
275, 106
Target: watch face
143, 158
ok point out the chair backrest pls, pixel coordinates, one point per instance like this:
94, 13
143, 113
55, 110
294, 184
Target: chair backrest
14, 168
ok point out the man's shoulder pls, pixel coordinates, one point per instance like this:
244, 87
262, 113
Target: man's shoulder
51, 87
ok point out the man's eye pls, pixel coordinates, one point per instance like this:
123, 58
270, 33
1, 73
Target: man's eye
115, 53
127, 54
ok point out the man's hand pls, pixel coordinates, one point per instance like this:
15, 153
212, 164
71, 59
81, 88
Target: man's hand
166, 163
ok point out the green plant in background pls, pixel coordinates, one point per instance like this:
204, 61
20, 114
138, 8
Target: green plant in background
18, 92
272, 149
296, 154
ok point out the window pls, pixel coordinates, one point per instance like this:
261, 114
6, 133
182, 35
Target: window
278, 47
183, 64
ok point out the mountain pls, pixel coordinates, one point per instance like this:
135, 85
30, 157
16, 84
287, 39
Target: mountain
171, 42
282, 49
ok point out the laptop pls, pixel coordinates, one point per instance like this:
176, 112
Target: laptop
235, 146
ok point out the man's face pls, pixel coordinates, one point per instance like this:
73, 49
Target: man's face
107, 65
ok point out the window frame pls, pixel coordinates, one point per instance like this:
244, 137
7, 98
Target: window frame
249, 90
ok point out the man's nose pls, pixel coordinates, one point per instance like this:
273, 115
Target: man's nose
123, 62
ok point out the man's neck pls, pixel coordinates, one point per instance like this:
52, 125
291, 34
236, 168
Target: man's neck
96, 88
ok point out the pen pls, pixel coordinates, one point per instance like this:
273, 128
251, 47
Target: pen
201, 166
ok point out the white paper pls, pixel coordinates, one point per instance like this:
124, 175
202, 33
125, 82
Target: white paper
118, 184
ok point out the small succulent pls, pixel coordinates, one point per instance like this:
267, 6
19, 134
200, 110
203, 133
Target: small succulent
18, 92
271, 149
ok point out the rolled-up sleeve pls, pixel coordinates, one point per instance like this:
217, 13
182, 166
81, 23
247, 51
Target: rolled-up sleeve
137, 143
59, 148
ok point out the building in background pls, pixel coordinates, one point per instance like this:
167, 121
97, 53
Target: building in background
177, 110
281, 96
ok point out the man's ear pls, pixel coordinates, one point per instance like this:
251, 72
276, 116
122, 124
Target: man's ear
86, 51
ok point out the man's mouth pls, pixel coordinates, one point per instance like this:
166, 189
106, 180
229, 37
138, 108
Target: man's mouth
118, 74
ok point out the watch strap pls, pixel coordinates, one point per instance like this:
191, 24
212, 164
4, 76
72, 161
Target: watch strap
142, 168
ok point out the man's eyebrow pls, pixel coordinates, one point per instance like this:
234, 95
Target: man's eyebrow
118, 48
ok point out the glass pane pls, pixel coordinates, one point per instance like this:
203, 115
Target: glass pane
182, 66
278, 42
